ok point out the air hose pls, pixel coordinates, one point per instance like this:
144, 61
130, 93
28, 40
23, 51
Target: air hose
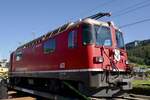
111, 64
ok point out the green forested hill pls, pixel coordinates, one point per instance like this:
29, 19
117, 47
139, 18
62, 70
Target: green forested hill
139, 52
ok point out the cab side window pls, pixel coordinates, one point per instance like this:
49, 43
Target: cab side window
72, 39
18, 56
49, 46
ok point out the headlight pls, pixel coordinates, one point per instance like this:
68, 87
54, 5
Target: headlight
99, 59
127, 62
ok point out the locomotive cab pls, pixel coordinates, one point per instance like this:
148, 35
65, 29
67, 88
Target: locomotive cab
107, 44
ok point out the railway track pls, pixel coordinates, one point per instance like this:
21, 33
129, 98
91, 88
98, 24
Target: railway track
14, 96
124, 97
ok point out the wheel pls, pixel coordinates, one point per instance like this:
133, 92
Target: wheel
3, 90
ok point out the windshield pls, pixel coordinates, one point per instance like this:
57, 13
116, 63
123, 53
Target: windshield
119, 39
103, 35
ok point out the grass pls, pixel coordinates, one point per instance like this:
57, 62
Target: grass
139, 65
137, 83
141, 87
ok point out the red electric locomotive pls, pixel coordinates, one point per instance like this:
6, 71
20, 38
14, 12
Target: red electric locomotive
89, 55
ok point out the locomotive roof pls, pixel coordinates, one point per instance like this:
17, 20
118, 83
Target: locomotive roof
61, 29
95, 22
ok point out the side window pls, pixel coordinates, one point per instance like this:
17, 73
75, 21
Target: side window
18, 56
119, 39
87, 34
72, 39
49, 46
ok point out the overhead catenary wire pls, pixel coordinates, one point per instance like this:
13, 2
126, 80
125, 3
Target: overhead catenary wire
130, 7
99, 5
124, 11
134, 23
132, 10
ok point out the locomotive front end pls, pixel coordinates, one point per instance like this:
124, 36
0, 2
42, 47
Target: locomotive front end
108, 58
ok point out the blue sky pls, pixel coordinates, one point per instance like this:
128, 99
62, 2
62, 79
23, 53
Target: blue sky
24, 20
